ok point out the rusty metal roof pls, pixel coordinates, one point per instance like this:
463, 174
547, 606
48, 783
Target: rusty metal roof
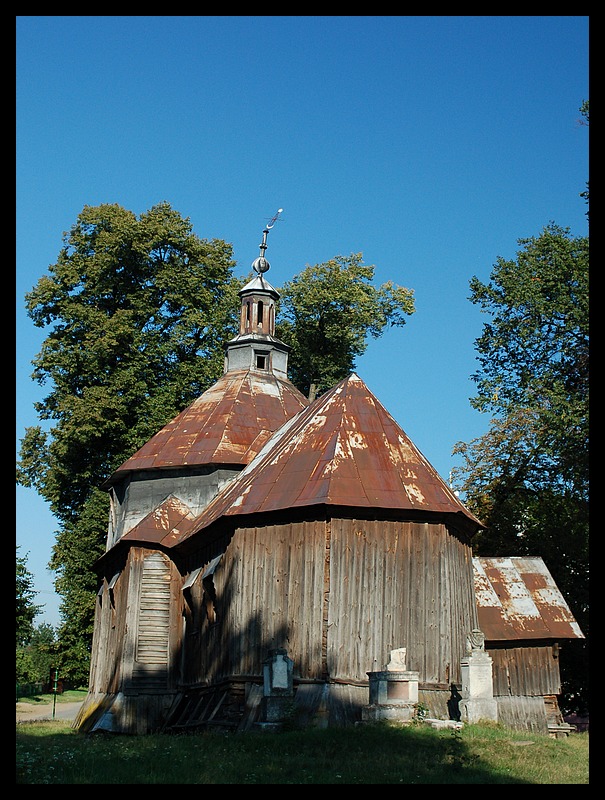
517, 598
228, 424
343, 450
167, 520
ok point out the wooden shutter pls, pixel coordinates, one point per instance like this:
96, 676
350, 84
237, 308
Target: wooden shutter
153, 628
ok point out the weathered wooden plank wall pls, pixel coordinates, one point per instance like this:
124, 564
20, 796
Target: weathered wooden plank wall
530, 671
108, 642
279, 574
337, 595
523, 713
399, 584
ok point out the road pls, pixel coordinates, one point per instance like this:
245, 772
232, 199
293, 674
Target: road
28, 712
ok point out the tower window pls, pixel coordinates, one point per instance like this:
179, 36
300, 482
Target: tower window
261, 360
260, 312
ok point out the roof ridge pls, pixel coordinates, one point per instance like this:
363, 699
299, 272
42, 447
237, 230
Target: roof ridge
338, 451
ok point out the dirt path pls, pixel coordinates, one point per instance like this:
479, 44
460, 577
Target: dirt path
28, 712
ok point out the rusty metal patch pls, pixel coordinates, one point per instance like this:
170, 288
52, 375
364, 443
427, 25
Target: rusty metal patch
163, 525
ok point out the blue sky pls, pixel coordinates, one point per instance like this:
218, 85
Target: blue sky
428, 144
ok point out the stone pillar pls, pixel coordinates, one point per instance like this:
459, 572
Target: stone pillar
477, 701
278, 686
395, 688
393, 691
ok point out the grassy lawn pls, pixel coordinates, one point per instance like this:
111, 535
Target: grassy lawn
51, 752
70, 696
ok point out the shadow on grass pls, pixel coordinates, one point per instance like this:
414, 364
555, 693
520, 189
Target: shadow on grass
362, 755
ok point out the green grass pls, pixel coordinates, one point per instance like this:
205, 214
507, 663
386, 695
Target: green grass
51, 752
70, 696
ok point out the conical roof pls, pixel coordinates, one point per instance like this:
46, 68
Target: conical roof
345, 449
228, 424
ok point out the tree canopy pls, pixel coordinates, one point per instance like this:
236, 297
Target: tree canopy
527, 478
326, 314
27, 610
139, 310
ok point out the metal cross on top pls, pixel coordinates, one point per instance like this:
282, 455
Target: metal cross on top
261, 264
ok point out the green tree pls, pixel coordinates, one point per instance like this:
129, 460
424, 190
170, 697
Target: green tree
27, 610
137, 310
327, 313
43, 647
36, 658
527, 477
25, 669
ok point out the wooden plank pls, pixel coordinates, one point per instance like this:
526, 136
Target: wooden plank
252, 708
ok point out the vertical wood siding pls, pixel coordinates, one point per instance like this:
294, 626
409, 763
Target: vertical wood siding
269, 589
337, 594
108, 635
398, 584
530, 671
385, 585
523, 713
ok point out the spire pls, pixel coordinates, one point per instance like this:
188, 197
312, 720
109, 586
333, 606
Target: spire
260, 265
255, 347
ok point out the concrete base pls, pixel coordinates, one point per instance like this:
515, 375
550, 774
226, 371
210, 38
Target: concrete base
389, 687
443, 724
478, 710
402, 712
276, 709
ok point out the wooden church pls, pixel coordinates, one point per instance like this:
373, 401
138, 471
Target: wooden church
256, 523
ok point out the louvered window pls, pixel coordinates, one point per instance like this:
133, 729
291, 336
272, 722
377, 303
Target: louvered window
151, 655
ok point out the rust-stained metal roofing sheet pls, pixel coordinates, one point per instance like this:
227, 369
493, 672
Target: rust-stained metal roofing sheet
163, 524
517, 598
228, 424
343, 450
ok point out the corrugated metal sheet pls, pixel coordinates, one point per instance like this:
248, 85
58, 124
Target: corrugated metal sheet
228, 424
517, 598
345, 449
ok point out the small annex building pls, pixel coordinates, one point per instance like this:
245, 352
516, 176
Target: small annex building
256, 522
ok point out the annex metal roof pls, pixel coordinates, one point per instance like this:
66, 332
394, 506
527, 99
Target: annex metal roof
345, 449
517, 598
228, 424
169, 519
